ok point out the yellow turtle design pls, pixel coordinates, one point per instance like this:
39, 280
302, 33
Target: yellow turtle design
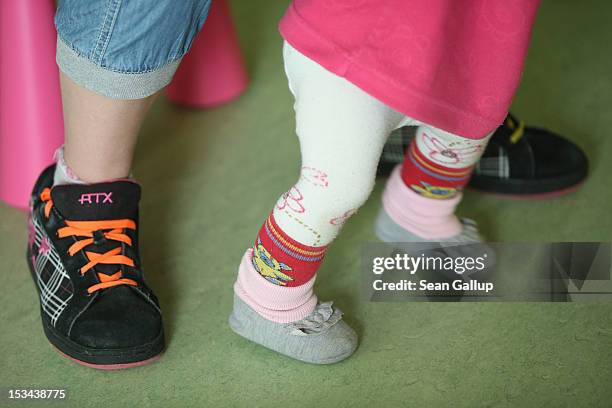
268, 267
430, 191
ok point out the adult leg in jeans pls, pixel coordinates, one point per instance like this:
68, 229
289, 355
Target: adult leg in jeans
114, 56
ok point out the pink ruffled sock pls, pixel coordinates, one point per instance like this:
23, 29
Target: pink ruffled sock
280, 304
424, 217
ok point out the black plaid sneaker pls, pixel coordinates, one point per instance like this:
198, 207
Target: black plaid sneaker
519, 160
83, 254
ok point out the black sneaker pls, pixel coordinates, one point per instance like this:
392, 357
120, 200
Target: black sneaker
83, 254
519, 160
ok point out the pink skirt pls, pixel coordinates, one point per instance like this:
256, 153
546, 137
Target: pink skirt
452, 64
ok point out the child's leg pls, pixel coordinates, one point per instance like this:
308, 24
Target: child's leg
342, 131
422, 194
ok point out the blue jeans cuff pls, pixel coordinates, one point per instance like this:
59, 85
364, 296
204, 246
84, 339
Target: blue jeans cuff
110, 83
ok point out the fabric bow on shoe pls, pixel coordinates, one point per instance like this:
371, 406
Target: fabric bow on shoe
322, 318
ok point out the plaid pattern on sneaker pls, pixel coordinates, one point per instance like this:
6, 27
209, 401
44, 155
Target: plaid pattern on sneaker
519, 160
494, 164
51, 277
397, 144
497, 165
395, 149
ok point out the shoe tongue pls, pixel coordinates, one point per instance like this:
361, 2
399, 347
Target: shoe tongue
100, 201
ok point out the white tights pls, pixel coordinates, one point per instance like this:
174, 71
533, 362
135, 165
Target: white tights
342, 131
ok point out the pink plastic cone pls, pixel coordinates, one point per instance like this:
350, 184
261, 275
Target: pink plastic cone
213, 72
31, 125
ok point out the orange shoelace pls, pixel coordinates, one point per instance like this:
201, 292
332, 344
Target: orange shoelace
87, 229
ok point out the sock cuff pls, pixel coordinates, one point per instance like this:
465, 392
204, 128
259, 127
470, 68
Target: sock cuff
281, 259
290, 246
426, 217
63, 172
419, 159
398, 191
279, 304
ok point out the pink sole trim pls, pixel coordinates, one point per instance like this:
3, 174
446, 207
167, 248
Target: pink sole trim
111, 366
536, 196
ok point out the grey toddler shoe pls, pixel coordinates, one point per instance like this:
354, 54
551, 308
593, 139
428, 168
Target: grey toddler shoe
468, 243
320, 338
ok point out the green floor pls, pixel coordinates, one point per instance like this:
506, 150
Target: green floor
210, 178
